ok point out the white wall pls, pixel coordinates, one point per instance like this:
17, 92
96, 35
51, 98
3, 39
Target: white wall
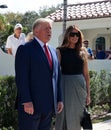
97, 65
91, 23
93, 34
56, 32
92, 28
6, 64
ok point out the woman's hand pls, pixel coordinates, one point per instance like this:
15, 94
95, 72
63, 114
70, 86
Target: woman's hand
88, 100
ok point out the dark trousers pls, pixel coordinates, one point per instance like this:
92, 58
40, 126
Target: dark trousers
34, 122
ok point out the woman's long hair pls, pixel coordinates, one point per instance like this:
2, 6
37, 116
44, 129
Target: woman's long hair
66, 43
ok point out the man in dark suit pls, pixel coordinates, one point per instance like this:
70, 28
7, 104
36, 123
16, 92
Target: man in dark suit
38, 80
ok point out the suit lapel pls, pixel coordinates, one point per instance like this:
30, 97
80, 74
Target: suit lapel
41, 52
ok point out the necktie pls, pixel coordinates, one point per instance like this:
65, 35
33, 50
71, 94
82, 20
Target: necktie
48, 56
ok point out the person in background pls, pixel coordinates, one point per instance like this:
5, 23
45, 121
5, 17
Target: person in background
38, 79
15, 40
75, 80
100, 53
109, 54
29, 36
89, 50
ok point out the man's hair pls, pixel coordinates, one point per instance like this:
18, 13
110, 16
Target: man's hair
86, 41
38, 22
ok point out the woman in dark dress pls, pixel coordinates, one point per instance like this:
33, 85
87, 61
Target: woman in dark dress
75, 80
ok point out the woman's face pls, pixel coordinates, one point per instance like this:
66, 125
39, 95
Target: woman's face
74, 36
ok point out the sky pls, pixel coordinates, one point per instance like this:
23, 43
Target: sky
22, 6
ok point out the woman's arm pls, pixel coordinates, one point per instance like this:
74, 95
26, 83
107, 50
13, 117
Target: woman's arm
87, 79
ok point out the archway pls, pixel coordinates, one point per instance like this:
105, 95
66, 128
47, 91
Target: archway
100, 42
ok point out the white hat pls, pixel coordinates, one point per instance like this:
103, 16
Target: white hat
18, 25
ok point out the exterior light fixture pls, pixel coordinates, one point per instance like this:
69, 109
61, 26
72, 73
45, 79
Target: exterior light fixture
3, 6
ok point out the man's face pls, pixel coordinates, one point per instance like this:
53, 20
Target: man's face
43, 32
86, 44
17, 31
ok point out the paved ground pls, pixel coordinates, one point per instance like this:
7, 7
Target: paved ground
106, 125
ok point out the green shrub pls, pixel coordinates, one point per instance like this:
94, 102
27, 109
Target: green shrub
100, 96
93, 87
99, 110
8, 114
8, 128
100, 88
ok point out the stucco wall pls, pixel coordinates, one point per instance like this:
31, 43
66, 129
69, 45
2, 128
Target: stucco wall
91, 28
6, 64
98, 65
93, 34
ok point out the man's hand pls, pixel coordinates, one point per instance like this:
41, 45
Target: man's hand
60, 107
29, 108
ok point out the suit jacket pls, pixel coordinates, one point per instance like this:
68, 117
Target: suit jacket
35, 81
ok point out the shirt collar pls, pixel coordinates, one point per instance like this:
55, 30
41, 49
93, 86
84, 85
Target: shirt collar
40, 42
21, 34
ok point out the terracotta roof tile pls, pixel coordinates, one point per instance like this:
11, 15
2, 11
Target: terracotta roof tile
91, 10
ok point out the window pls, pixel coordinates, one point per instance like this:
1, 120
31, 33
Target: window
100, 42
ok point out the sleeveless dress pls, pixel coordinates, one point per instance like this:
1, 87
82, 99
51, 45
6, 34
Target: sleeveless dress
74, 91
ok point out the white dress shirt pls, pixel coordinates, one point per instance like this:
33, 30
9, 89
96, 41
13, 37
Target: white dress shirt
14, 43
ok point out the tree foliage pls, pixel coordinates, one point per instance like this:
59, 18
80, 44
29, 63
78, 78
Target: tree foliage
28, 19
45, 11
2, 23
13, 18
2, 28
9, 19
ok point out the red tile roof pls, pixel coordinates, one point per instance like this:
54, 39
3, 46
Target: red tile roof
91, 10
